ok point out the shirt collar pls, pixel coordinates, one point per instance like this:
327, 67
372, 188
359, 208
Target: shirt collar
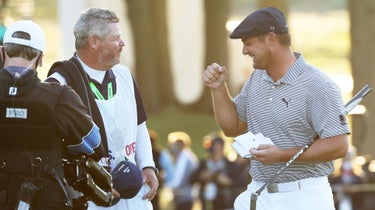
20, 70
101, 76
293, 72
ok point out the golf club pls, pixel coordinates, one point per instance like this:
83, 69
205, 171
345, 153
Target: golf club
356, 99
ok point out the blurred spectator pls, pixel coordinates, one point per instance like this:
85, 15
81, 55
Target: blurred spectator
185, 163
217, 176
166, 162
369, 175
345, 198
369, 195
243, 177
154, 137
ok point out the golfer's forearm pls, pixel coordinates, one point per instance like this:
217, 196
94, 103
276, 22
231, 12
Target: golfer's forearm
322, 150
325, 150
225, 112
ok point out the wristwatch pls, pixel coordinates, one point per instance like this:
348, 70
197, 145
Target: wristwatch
153, 168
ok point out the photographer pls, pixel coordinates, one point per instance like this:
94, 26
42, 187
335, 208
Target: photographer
39, 122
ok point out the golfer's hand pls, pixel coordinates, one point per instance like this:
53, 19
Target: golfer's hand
267, 154
214, 76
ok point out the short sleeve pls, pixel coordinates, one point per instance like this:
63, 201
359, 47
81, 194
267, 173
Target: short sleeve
326, 112
240, 103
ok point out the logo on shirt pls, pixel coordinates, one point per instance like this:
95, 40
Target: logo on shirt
343, 120
130, 149
286, 101
13, 91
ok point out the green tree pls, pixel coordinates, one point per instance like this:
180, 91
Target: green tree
216, 48
152, 61
280, 4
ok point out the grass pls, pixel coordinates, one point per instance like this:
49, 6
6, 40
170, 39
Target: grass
197, 125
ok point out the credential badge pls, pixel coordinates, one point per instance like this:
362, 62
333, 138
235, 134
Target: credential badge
20, 113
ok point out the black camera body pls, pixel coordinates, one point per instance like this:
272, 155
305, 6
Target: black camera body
90, 178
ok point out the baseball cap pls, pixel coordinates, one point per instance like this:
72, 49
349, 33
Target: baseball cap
179, 135
262, 21
127, 179
37, 38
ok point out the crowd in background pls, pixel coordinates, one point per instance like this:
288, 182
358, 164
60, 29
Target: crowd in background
214, 181
211, 182
354, 183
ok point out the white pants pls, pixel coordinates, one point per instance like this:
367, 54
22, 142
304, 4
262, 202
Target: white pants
311, 194
136, 202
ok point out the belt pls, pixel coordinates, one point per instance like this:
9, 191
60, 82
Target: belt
283, 187
296, 185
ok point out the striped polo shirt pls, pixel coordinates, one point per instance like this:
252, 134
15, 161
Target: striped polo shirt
304, 103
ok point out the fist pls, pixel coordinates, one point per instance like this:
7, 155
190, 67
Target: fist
214, 76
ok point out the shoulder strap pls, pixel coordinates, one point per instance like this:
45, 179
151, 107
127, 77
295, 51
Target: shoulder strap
77, 78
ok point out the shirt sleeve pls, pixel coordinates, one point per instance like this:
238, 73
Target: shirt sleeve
240, 103
80, 133
326, 112
143, 154
142, 116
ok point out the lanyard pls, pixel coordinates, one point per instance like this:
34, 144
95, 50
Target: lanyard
97, 92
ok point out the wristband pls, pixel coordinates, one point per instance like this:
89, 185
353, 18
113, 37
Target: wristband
153, 168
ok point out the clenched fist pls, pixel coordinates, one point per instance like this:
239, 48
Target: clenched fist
214, 76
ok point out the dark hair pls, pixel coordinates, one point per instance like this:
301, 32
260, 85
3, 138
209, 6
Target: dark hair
17, 50
214, 140
218, 139
284, 39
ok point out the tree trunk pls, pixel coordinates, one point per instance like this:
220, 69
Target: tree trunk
362, 16
279, 4
216, 48
152, 65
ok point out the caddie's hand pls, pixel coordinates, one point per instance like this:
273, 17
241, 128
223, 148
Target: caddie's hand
214, 76
151, 179
115, 193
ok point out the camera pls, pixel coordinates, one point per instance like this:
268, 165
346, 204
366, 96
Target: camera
87, 176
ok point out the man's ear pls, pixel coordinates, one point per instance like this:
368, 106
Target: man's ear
93, 41
39, 60
271, 36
